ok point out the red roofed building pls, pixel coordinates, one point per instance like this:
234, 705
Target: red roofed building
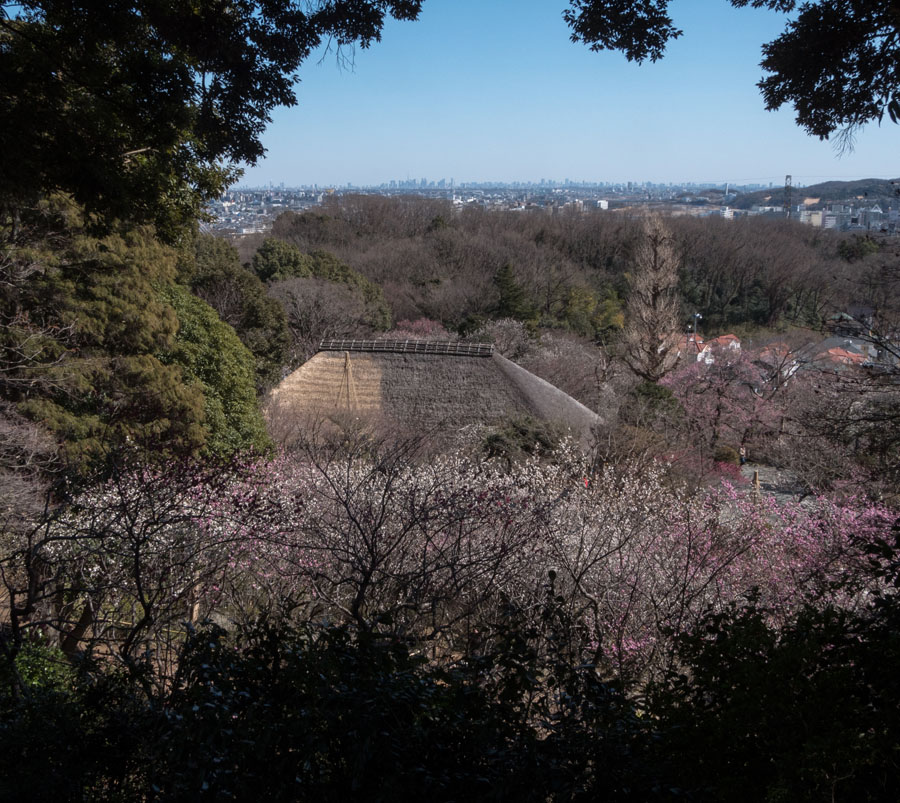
839, 356
690, 345
719, 345
725, 342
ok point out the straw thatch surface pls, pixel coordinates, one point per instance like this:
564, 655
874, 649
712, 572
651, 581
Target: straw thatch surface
419, 392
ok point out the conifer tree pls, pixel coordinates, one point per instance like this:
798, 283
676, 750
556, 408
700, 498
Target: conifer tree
512, 302
650, 339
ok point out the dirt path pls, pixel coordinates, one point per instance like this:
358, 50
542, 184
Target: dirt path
775, 482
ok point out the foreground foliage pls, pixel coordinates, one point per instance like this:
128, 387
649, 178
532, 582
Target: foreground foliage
142, 110
349, 623
860, 34
273, 711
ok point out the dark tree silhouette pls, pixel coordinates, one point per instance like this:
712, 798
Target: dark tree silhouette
837, 62
140, 110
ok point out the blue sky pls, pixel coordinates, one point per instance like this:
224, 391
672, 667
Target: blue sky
480, 90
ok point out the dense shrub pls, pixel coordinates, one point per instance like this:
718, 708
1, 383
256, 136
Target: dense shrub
210, 354
281, 713
807, 711
240, 299
727, 454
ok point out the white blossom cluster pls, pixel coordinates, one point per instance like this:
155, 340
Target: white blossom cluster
431, 550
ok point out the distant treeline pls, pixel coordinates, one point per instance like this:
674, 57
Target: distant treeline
570, 271
865, 191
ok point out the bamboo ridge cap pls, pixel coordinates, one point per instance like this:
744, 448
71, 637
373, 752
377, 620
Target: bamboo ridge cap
447, 347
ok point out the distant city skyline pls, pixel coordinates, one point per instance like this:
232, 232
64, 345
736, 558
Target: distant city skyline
496, 92
448, 184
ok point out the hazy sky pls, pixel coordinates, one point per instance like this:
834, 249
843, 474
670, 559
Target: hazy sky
480, 90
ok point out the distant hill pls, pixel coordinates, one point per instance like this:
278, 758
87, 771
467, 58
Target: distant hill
872, 190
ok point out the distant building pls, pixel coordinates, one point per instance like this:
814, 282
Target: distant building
690, 346
839, 353
871, 217
781, 359
726, 212
723, 344
812, 217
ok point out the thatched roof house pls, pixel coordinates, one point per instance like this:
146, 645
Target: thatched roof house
420, 386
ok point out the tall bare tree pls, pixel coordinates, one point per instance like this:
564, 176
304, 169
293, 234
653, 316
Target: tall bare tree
650, 340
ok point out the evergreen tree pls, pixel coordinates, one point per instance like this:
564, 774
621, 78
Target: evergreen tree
240, 298
651, 316
276, 259
213, 358
142, 111
512, 301
100, 348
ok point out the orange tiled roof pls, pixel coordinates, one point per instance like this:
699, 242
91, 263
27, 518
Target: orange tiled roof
840, 355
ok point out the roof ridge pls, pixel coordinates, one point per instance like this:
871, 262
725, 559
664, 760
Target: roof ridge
448, 347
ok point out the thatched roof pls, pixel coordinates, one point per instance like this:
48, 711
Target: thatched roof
422, 386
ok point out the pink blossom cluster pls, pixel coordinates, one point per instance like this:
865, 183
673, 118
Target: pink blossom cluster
434, 550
